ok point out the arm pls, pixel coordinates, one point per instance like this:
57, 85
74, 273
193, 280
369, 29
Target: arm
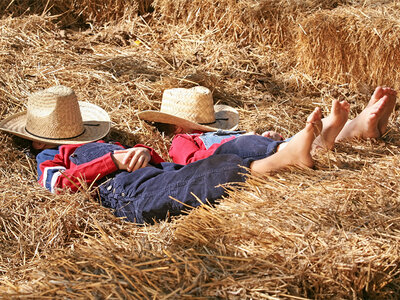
184, 149
60, 172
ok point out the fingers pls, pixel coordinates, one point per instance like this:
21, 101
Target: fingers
266, 134
138, 161
272, 135
134, 158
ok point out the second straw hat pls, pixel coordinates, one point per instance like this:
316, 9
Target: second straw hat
55, 116
194, 109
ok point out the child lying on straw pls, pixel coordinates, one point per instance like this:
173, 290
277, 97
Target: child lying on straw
135, 183
199, 127
184, 112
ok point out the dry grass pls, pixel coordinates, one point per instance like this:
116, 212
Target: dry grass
246, 22
328, 233
354, 45
78, 12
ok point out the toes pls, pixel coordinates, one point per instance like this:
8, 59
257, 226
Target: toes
315, 117
335, 106
389, 91
345, 105
311, 117
318, 113
378, 93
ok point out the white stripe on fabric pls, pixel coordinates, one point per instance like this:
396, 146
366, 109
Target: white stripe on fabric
48, 174
54, 180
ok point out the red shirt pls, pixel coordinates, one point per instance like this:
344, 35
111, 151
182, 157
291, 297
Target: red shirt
188, 148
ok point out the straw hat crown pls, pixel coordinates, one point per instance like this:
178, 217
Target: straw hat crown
54, 113
194, 104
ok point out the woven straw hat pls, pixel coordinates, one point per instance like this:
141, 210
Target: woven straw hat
193, 109
55, 116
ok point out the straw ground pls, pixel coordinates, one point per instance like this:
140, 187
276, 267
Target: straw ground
327, 233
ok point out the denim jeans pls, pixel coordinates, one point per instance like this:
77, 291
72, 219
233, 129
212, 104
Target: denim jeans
252, 147
154, 192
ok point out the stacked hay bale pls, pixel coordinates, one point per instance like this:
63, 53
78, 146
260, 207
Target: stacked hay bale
73, 12
246, 22
359, 46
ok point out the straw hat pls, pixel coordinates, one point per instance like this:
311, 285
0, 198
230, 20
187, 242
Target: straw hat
55, 116
193, 109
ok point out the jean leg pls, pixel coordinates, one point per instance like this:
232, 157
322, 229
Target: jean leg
149, 193
251, 147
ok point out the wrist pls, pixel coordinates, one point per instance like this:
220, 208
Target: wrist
116, 161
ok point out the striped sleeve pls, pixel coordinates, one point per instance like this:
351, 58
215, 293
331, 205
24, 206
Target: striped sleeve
57, 172
50, 176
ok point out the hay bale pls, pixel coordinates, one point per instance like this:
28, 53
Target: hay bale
356, 46
246, 22
78, 12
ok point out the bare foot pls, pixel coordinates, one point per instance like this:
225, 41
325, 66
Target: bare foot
376, 96
332, 125
296, 152
372, 121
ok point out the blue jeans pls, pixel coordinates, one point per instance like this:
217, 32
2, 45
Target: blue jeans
251, 147
154, 192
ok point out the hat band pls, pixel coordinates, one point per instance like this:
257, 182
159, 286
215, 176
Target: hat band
55, 139
217, 119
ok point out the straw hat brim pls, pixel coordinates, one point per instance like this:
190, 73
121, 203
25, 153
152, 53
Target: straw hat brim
95, 120
227, 118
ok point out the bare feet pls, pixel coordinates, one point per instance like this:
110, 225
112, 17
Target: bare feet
376, 96
296, 152
332, 125
372, 122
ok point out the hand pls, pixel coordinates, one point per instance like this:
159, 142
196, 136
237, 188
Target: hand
132, 159
272, 135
